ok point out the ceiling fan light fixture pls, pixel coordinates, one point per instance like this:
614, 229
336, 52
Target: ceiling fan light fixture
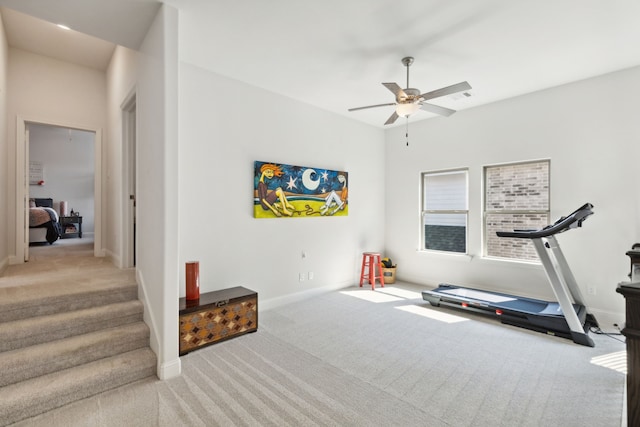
410, 100
407, 109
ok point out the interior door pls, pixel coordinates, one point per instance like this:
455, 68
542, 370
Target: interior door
132, 188
129, 181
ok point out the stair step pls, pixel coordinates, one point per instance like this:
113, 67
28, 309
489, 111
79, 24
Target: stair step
21, 302
41, 329
30, 362
38, 395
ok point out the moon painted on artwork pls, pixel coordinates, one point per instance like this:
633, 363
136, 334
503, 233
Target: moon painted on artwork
308, 182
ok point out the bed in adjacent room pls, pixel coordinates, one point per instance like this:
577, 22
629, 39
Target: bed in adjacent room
43, 221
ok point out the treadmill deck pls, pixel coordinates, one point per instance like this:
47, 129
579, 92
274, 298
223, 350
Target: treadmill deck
530, 313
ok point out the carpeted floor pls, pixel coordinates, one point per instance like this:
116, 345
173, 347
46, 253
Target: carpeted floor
61, 265
362, 358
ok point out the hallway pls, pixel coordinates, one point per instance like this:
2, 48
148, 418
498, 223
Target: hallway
67, 264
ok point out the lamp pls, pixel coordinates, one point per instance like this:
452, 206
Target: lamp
407, 109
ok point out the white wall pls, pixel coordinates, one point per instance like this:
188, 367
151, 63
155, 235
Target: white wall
121, 82
590, 131
4, 149
67, 157
42, 89
195, 186
157, 144
225, 126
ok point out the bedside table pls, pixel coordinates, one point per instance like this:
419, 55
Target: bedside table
67, 220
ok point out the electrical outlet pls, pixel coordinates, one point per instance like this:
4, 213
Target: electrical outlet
591, 290
310, 275
302, 277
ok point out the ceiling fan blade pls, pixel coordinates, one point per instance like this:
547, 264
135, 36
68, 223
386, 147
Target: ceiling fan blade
392, 119
397, 90
371, 106
458, 87
442, 111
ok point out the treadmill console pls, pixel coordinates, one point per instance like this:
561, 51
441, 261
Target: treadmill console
573, 220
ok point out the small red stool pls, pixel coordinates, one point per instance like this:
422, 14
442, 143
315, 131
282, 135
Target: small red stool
371, 262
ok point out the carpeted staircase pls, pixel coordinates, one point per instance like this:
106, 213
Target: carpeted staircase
62, 345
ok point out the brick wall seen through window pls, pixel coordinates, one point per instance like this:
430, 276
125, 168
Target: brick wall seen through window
516, 198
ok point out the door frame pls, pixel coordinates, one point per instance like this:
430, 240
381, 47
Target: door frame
22, 166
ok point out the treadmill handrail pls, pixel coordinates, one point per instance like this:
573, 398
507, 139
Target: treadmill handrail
563, 224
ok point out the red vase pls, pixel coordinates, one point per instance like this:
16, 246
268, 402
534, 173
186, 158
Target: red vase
193, 280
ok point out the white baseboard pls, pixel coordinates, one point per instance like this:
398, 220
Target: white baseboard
299, 296
148, 314
113, 257
164, 369
13, 260
606, 320
169, 369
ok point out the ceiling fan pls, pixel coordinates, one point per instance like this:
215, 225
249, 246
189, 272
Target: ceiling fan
409, 100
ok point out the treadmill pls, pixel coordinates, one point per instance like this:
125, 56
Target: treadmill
568, 317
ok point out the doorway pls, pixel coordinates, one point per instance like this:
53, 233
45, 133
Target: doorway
61, 169
25, 128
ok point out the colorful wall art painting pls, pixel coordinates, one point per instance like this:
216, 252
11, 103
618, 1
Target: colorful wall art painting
285, 191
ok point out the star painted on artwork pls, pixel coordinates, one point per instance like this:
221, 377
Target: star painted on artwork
323, 190
325, 176
292, 183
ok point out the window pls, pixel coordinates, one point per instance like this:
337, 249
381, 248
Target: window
516, 198
445, 211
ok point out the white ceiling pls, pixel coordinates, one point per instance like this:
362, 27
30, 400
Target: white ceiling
45, 38
124, 22
335, 54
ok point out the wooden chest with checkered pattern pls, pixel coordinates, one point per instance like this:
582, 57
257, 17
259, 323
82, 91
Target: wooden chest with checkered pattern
217, 316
